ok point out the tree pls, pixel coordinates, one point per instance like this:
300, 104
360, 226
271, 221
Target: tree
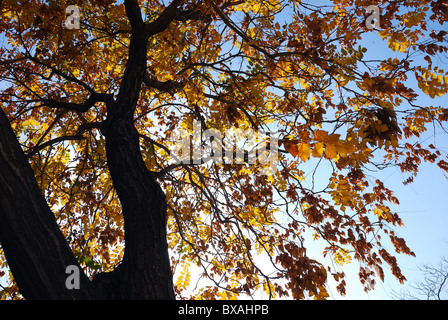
92, 120
432, 287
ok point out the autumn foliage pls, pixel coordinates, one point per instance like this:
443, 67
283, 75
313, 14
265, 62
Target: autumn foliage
306, 71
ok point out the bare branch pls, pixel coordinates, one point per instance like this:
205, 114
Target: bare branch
62, 74
51, 142
244, 36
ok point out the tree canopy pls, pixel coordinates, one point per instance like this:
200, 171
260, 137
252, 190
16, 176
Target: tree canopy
304, 74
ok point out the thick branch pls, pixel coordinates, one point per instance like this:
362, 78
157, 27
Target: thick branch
163, 21
134, 14
145, 272
84, 107
193, 15
163, 86
35, 248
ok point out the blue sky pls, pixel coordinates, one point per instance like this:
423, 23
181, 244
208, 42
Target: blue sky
422, 203
425, 215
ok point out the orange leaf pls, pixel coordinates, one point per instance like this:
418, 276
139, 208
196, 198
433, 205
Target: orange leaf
318, 150
330, 151
291, 146
304, 151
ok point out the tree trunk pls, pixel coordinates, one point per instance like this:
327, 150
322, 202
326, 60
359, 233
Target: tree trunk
145, 271
35, 248
38, 253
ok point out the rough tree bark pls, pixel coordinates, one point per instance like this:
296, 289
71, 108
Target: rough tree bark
145, 271
36, 249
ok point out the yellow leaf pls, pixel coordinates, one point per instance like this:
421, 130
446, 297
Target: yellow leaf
342, 257
304, 151
318, 150
330, 151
